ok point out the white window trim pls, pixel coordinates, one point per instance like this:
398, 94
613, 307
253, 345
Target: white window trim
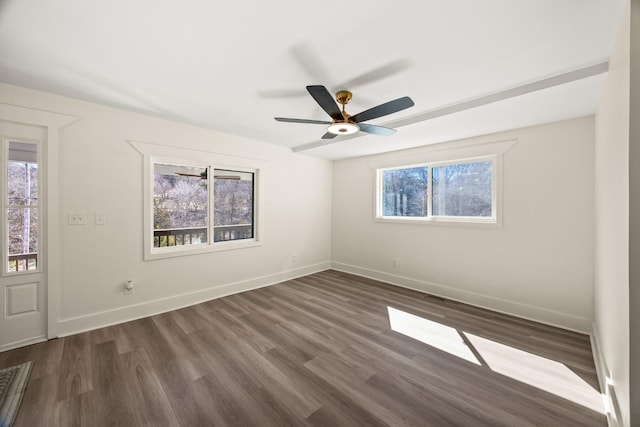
154, 153
442, 155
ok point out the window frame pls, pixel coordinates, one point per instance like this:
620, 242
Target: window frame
152, 253
253, 172
4, 192
472, 219
438, 159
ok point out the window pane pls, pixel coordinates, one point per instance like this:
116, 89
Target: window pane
405, 192
233, 205
180, 205
22, 202
463, 190
22, 179
23, 238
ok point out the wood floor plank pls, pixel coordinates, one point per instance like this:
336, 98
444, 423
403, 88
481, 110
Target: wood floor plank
112, 396
298, 400
75, 375
149, 399
266, 409
76, 411
216, 406
38, 398
177, 385
339, 374
339, 404
314, 351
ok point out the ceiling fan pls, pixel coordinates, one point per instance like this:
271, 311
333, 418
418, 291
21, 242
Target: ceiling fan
344, 123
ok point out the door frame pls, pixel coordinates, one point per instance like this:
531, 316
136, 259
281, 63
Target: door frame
53, 124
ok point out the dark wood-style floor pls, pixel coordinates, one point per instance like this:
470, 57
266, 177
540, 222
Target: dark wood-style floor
314, 351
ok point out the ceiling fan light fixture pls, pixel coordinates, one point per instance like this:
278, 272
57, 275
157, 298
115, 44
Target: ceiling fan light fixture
343, 128
345, 124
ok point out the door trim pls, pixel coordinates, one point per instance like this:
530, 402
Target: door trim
54, 123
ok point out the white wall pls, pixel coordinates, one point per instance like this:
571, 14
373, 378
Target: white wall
101, 172
537, 265
611, 280
634, 217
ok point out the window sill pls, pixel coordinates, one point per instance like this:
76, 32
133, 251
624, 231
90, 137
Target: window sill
176, 251
444, 221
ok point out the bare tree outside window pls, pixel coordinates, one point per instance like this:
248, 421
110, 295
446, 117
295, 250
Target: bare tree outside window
405, 191
455, 190
233, 205
181, 205
463, 189
22, 207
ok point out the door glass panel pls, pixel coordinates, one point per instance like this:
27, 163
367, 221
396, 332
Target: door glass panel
22, 207
23, 183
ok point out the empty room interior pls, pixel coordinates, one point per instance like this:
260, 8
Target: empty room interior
281, 213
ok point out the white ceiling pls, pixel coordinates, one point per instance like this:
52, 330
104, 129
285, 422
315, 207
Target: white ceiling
471, 66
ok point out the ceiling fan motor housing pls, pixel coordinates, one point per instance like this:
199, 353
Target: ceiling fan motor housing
343, 97
345, 124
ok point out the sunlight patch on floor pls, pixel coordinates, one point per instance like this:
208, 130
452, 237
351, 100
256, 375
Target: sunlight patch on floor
435, 334
540, 372
536, 371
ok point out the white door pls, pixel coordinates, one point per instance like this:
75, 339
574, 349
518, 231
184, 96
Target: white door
23, 288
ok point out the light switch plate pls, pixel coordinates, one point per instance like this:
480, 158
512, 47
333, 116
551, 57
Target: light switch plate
101, 219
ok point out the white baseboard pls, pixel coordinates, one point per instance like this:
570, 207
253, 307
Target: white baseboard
124, 314
538, 314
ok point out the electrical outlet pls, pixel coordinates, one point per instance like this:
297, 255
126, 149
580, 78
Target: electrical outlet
77, 218
395, 262
128, 287
294, 258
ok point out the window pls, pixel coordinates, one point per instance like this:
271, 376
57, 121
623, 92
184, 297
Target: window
460, 191
22, 207
463, 190
405, 192
180, 205
197, 208
233, 204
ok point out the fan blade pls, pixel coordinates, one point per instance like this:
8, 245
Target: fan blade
310, 60
329, 135
378, 73
326, 101
282, 93
202, 175
383, 109
317, 122
375, 129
